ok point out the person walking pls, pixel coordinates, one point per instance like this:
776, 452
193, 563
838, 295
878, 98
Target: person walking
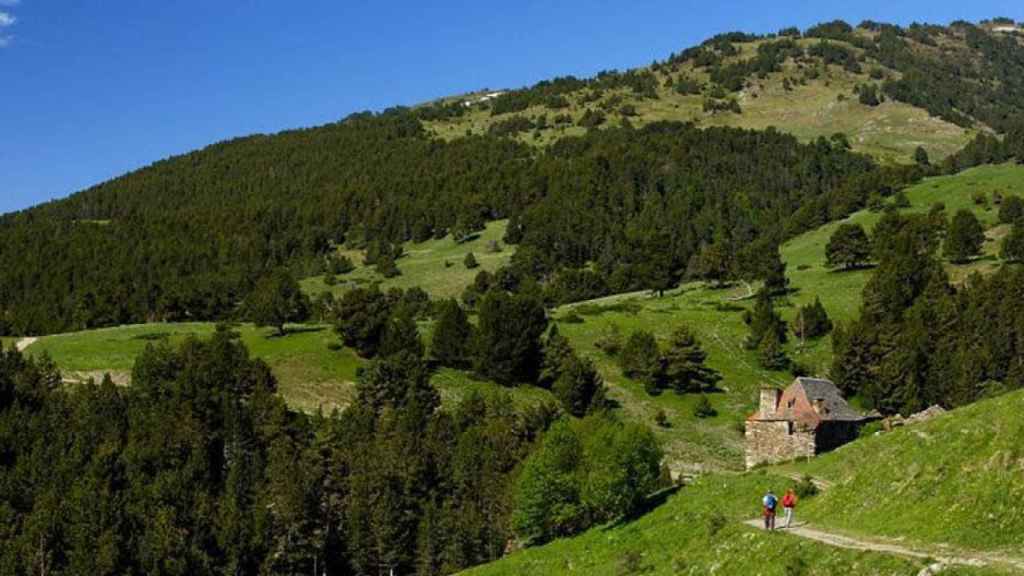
788, 504
770, 502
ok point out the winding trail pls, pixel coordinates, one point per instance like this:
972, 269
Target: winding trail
944, 557
25, 343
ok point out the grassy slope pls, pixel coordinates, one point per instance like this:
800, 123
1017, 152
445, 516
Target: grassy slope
958, 479
819, 107
716, 442
955, 480
423, 265
312, 376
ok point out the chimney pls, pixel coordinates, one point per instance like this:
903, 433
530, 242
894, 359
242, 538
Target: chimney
769, 401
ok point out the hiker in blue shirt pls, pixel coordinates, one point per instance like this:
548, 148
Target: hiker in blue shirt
770, 502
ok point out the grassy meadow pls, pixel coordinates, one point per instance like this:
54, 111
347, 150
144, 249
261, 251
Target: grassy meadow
313, 376
435, 265
949, 487
808, 109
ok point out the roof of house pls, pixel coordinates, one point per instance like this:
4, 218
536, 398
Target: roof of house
836, 408
810, 402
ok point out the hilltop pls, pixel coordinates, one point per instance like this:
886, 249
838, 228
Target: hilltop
948, 487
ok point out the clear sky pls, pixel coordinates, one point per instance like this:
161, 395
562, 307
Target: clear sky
94, 88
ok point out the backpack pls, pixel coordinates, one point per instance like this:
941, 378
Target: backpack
770, 502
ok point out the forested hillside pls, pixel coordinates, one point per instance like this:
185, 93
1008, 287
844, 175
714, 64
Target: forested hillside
189, 237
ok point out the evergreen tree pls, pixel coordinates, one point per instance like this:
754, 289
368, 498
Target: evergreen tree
401, 334
964, 237
811, 321
848, 247
770, 354
764, 322
470, 261
557, 351
508, 338
641, 360
579, 386
1013, 245
921, 156
453, 336
362, 316
683, 361
395, 382
277, 300
1011, 210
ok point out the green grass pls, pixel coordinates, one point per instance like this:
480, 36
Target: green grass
957, 479
313, 376
424, 265
310, 375
819, 107
950, 487
679, 537
716, 443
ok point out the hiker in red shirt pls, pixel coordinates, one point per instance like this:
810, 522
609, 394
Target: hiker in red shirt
788, 504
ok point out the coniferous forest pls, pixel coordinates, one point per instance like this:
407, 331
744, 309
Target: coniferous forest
199, 467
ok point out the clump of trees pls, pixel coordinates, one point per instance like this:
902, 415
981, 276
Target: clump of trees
584, 474
849, 247
679, 366
964, 237
811, 321
276, 301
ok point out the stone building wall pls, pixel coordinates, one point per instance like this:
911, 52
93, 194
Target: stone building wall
773, 441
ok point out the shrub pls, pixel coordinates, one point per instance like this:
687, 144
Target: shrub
806, 487
611, 341
704, 409
470, 261
661, 419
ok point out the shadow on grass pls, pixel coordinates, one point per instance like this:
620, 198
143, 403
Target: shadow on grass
857, 268
292, 330
652, 502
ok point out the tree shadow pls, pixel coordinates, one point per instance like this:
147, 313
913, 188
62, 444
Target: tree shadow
651, 503
290, 330
857, 268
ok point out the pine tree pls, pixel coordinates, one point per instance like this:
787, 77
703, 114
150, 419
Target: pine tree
770, 354
764, 322
453, 336
683, 362
579, 386
470, 261
276, 300
848, 247
811, 321
401, 334
1011, 210
508, 346
557, 351
641, 360
921, 156
964, 238
1013, 245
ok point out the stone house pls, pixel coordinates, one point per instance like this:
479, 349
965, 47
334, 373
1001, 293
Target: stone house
807, 418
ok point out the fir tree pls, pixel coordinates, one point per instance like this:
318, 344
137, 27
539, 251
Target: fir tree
811, 321
964, 237
1013, 245
848, 247
764, 322
579, 386
276, 300
683, 364
453, 336
641, 360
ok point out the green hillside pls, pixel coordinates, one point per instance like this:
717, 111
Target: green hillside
435, 265
951, 486
807, 98
312, 375
958, 479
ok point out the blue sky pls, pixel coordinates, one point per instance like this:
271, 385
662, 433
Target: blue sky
94, 88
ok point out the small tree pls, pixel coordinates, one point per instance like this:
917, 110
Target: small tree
579, 386
1013, 244
811, 321
963, 238
848, 247
362, 315
900, 200
704, 409
557, 351
453, 336
921, 156
401, 334
641, 360
470, 261
276, 300
770, 354
683, 364
1011, 210
764, 322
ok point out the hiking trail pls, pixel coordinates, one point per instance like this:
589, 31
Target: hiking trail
25, 343
943, 557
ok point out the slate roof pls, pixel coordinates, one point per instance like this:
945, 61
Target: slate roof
836, 409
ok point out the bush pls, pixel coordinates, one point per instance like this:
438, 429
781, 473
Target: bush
470, 261
704, 409
806, 488
661, 419
641, 360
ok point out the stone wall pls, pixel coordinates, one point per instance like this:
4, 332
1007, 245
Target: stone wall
773, 441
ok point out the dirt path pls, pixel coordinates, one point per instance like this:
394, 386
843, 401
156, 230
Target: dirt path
945, 557
25, 343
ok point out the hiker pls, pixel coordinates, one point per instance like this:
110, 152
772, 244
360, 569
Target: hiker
770, 502
788, 504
